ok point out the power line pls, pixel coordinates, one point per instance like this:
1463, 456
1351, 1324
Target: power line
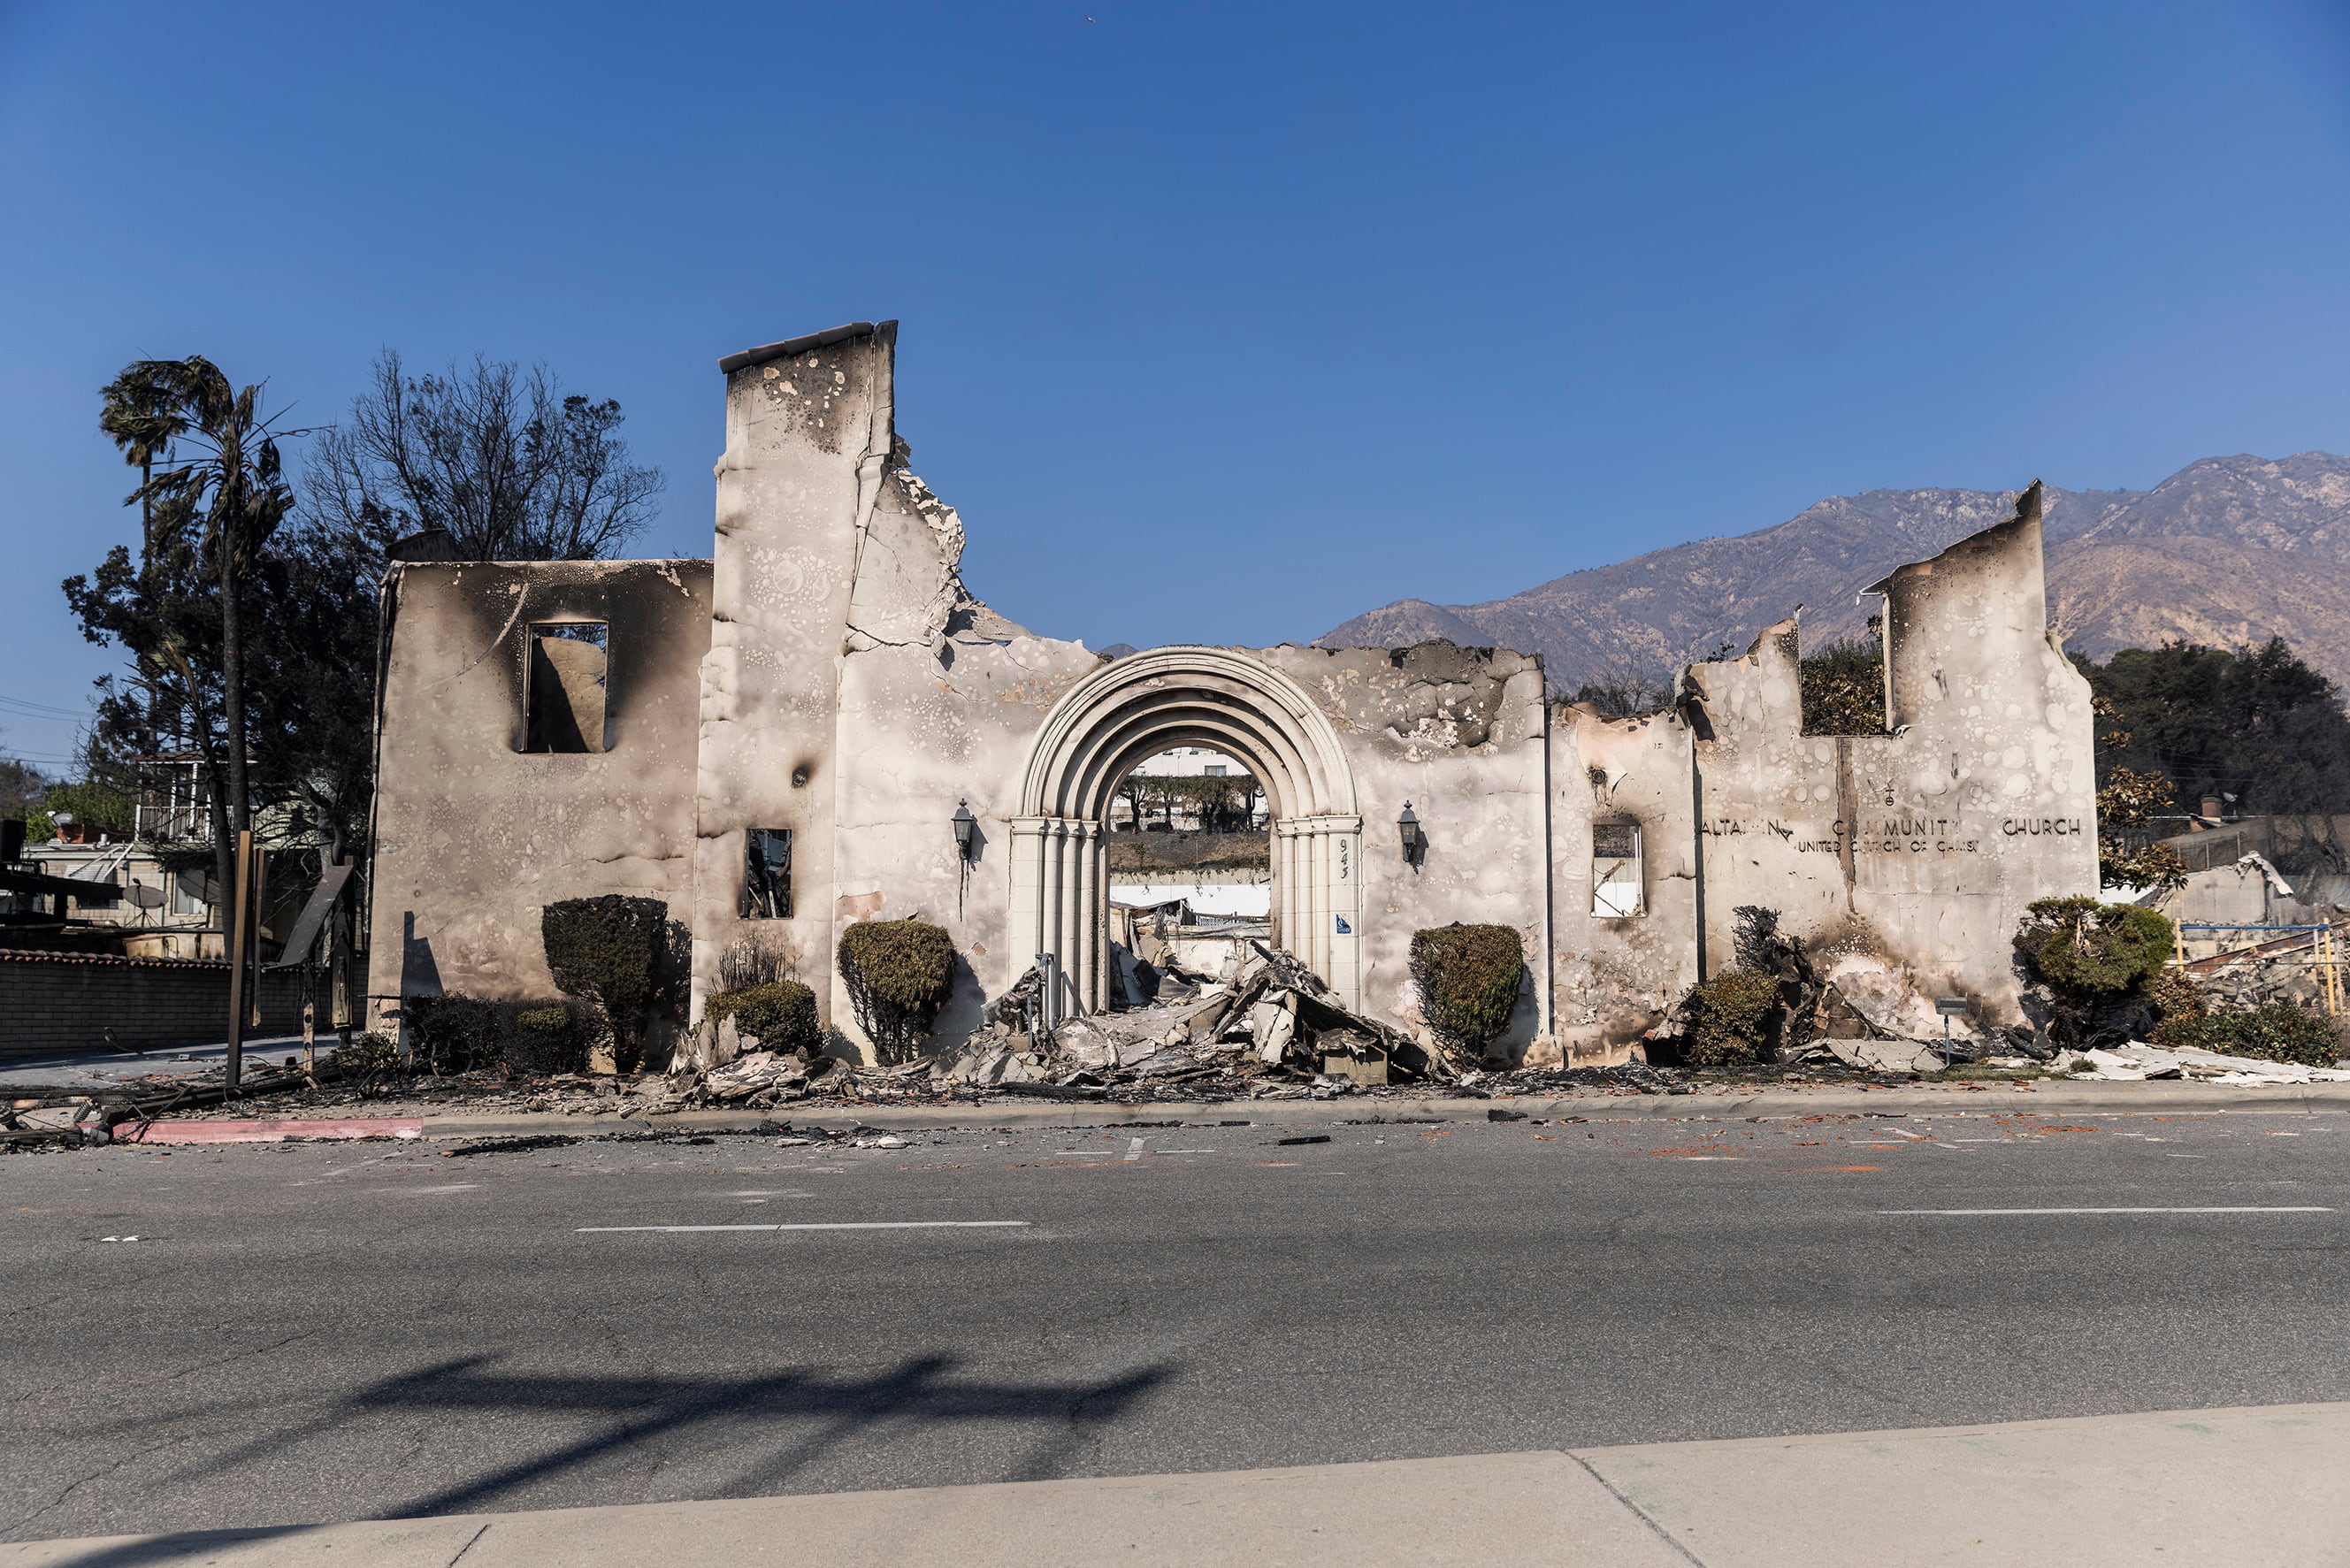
31, 710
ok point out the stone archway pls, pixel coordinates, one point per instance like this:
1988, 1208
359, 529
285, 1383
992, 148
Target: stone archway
1144, 703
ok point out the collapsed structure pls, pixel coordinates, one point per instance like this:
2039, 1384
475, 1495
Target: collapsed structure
822, 725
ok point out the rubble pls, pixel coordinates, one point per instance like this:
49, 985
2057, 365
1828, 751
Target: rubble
1268, 1028
2138, 1060
1860, 1012
2287, 969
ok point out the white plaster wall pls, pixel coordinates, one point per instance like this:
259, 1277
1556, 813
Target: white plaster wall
1616, 978
806, 439
1459, 735
1927, 844
475, 836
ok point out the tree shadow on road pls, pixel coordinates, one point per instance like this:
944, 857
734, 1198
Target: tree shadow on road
921, 1392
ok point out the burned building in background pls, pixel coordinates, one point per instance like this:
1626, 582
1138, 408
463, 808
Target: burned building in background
777, 741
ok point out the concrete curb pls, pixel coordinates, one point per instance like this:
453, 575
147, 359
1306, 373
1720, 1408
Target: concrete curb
267, 1129
1769, 1105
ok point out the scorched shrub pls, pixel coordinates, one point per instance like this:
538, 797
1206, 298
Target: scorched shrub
1467, 977
899, 974
606, 949
781, 1014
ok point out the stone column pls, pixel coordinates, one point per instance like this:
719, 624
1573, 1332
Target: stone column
1086, 961
1068, 846
1031, 847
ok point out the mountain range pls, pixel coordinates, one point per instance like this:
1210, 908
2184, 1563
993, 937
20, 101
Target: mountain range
2227, 551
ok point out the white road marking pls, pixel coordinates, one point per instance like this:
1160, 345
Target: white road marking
2240, 1208
1134, 1151
833, 1225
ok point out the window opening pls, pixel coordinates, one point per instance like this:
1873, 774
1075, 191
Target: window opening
767, 874
567, 668
1616, 879
1843, 685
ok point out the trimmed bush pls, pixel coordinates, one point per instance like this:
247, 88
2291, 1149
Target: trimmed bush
782, 1014
1467, 977
458, 1034
1725, 1020
2278, 1032
900, 974
2091, 950
553, 1037
451, 1033
606, 950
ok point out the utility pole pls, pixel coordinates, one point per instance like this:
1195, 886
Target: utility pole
239, 902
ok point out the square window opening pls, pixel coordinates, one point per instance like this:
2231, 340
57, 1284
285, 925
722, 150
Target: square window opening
568, 664
1615, 875
767, 874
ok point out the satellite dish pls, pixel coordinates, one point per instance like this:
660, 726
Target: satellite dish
146, 898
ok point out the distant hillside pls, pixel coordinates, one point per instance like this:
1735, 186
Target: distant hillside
2227, 550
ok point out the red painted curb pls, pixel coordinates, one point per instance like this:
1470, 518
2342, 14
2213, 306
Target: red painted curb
275, 1130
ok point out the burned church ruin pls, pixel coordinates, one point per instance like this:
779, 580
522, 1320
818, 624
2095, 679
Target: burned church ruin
821, 725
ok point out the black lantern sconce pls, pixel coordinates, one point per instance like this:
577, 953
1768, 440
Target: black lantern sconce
1415, 842
966, 830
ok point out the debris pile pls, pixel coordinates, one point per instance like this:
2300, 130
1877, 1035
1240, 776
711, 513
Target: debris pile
1858, 1010
2287, 969
2139, 1060
1634, 1075
1269, 1028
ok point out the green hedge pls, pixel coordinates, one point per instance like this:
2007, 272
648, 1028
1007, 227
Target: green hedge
2090, 950
458, 1034
898, 975
1467, 977
1727, 1017
2278, 1032
782, 1014
606, 949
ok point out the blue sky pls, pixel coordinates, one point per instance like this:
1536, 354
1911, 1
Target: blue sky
1220, 323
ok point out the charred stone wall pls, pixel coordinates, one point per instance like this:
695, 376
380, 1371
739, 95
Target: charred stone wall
809, 439
1922, 846
475, 833
939, 699
829, 676
1458, 735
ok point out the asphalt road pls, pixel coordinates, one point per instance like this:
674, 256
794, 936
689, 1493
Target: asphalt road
305, 1333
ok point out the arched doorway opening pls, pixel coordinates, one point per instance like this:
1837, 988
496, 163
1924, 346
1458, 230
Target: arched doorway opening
1141, 705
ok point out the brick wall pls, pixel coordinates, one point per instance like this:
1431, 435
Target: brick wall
56, 1002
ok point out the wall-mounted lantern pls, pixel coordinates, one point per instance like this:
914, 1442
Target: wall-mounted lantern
1415, 842
966, 829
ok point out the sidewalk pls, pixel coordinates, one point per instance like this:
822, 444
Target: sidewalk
2247, 1488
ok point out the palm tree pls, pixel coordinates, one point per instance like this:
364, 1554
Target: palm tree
223, 477
144, 418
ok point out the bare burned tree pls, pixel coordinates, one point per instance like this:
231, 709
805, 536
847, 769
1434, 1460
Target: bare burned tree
1626, 688
511, 465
